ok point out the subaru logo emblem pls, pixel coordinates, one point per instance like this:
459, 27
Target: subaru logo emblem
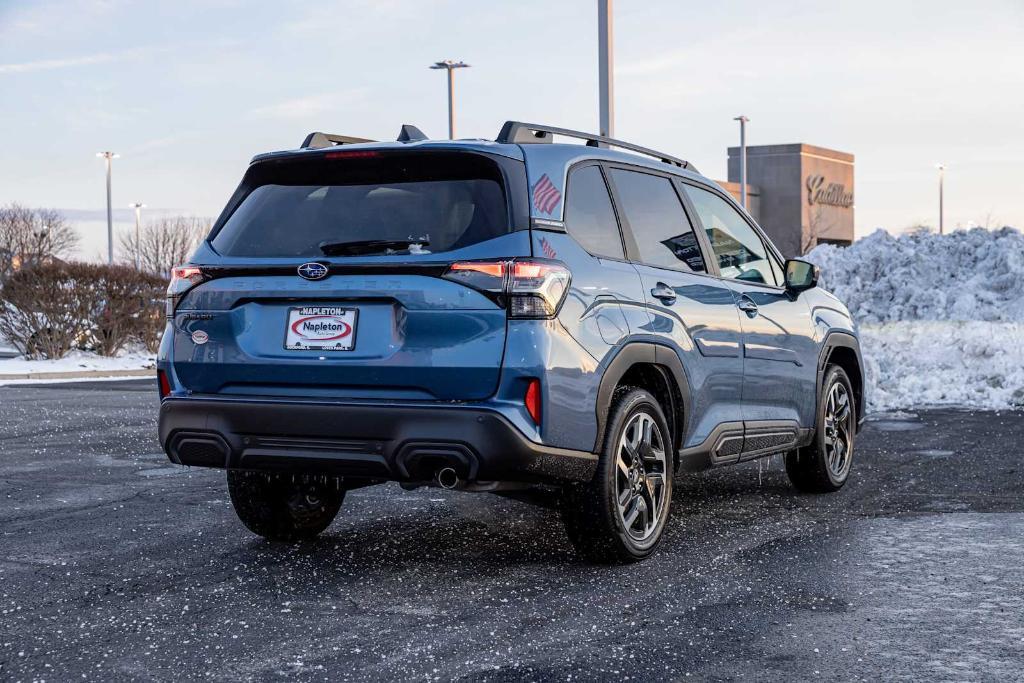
313, 271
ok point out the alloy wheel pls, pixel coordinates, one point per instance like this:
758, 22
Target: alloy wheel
640, 478
838, 431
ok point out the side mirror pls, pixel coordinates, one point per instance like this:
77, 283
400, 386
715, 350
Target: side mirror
801, 275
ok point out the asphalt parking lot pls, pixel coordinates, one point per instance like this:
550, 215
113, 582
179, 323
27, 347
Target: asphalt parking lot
115, 564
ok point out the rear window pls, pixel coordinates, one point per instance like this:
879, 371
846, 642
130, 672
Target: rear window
413, 203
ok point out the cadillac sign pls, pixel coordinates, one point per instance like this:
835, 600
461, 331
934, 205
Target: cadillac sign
833, 194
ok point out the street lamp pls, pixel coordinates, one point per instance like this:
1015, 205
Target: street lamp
450, 66
109, 157
942, 177
743, 160
138, 206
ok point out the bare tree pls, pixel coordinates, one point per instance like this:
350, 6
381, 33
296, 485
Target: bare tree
31, 236
817, 225
164, 243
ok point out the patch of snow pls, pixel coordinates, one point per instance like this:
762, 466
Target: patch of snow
941, 317
919, 363
77, 361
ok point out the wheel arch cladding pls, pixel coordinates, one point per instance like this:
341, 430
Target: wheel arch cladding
843, 350
658, 371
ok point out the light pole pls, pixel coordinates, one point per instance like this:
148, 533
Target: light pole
743, 160
138, 206
450, 66
605, 76
109, 157
942, 177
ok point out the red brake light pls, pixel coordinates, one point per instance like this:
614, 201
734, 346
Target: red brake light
185, 272
352, 154
534, 288
183, 278
492, 269
532, 400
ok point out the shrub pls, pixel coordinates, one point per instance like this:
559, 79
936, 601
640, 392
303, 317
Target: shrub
48, 309
129, 305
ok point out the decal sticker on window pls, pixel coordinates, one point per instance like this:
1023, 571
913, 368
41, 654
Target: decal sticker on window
545, 195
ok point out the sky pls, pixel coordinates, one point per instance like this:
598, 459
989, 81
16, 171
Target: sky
188, 91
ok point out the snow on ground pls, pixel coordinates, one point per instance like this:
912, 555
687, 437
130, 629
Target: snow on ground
941, 317
77, 361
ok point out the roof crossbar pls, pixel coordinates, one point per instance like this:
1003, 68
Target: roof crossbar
517, 132
318, 140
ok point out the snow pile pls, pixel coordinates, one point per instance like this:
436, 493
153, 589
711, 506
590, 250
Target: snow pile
75, 361
941, 317
966, 275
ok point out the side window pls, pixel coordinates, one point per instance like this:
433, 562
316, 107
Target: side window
663, 233
740, 252
589, 216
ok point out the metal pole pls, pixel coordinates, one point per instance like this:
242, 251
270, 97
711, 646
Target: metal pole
138, 238
451, 104
743, 160
109, 158
942, 174
110, 213
605, 77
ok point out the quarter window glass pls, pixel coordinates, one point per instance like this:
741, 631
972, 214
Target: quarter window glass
740, 252
663, 233
589, 216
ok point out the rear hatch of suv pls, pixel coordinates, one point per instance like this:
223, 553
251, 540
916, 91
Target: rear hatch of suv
325, 277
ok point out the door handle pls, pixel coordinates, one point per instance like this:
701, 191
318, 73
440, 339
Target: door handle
747, 306
664, 293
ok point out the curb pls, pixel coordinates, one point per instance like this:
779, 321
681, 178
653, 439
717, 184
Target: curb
82, 374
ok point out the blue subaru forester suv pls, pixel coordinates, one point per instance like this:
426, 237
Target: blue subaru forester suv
491, 316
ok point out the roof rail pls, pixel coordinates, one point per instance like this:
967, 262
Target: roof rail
318, 140
517, 132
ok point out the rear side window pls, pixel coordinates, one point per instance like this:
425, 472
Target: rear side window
589, 216
741, 253
663, 233
432, 202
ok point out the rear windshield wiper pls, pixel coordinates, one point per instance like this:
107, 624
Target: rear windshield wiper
362, 247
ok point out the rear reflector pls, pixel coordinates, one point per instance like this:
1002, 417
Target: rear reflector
532, 400
164, 384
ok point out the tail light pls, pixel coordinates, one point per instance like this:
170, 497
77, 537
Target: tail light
183, 278
532, 288
532, 400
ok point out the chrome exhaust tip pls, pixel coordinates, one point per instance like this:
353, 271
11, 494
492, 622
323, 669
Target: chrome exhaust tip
447, 478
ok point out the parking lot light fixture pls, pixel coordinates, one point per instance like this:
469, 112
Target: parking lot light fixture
942, 178
450, 66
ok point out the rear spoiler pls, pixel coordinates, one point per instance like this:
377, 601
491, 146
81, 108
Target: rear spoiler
318, 140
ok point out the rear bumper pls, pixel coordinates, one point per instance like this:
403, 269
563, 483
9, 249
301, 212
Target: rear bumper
365, 440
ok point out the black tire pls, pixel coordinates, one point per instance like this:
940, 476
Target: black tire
596, 524
284, 508
816, 468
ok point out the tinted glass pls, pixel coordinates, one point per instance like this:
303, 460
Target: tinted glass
589, 216
440, 202
740, 252
656, 218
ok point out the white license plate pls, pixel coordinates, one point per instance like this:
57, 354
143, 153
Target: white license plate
321, 328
